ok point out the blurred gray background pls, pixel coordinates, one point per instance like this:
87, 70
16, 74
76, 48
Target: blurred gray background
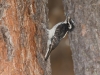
61, 59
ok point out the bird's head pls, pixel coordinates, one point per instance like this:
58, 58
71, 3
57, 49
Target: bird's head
70, 23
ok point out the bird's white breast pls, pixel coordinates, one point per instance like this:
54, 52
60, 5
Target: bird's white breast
52, 31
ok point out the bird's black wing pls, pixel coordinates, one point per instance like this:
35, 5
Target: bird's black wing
58, 35
61, 31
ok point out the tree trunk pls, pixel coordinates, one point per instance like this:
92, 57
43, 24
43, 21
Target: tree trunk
85, 39
23, 38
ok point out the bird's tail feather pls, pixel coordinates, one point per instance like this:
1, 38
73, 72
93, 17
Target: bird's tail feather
47, 54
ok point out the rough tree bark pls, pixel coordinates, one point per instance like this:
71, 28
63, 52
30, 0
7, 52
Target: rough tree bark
22, 37
85, 39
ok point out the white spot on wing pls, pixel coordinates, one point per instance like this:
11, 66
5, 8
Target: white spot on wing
65, 34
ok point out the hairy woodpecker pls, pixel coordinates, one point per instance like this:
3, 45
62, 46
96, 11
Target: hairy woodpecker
58, 32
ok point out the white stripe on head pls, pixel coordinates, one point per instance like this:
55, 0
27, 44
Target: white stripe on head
70, 26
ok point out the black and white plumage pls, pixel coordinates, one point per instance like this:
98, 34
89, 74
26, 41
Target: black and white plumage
58, 32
